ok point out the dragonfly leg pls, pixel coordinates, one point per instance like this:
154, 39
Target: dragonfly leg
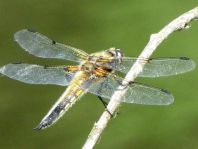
105, 105
103, 102
109, 113
147, 60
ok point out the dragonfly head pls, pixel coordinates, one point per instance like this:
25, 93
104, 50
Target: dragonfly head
116, 53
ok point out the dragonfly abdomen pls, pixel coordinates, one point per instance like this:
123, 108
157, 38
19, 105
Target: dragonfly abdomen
56, 113
66, 100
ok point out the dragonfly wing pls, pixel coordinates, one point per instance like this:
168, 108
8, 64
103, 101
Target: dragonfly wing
159, 66
41, 46
35, 74
136, 93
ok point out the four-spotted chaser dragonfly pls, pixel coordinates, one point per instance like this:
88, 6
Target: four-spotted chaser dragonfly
94, 73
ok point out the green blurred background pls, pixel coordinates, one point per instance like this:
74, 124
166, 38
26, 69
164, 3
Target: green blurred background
94, 26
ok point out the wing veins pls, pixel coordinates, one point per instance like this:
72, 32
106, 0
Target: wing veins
136, 93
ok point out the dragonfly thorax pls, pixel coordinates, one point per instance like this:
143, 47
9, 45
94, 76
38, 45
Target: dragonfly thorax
95, 69
87, 66
110, 57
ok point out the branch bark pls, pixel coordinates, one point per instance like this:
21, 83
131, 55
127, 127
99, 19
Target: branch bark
156, 39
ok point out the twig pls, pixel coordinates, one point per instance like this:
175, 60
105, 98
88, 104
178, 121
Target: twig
179, 23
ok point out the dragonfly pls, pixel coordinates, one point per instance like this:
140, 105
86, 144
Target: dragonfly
94, 73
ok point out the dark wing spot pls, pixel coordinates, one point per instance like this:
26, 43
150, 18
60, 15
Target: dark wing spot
17, 62
53, 42
184, 58
165, 91
31, 30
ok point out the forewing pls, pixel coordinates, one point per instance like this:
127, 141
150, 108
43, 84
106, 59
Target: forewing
136, 93
41, 46
159, 66
35, 74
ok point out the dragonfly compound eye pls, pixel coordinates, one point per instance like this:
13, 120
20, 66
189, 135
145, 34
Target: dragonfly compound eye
116, 53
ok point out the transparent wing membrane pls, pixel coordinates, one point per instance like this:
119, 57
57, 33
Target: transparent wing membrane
35, 74
159, 66
136, 93
41, 46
